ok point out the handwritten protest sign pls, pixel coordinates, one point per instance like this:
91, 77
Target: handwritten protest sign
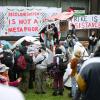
85, 22
23, 21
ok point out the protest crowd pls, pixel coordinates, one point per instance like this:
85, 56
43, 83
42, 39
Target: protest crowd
24, 69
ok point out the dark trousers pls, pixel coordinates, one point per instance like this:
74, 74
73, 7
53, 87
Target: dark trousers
31, 78
11, 75
58, 81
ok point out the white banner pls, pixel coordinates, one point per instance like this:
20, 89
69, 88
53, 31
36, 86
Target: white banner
23, 21
85, 22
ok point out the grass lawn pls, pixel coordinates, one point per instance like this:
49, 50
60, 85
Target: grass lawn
30, 95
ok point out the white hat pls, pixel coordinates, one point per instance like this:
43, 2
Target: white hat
3, 68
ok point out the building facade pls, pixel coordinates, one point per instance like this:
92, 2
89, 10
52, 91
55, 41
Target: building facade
91, 6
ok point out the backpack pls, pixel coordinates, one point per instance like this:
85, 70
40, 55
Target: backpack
8, 59
55, 60
21, 62
62, 64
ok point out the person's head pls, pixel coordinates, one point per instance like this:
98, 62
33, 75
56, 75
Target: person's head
58, 51
78, 54
17, 47
69, 37
72, 26
6, 47
42, 49
93, 33
4, 70
53, 25
23, 50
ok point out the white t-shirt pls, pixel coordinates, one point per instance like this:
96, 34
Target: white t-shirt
41, 56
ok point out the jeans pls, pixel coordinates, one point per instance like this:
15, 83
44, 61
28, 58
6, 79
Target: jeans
74, 87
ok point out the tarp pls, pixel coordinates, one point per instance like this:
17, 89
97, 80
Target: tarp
30, 39
62, 16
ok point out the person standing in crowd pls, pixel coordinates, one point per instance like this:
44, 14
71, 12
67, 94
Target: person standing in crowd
50, 33
88, 78
74, 66
58, 72
16, 54
24, 73
73, 30
40, 61
8, 60
55, 36
43, 32
61, 46
4, 77
92, 41
70, 44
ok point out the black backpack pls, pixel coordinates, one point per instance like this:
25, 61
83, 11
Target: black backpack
62, 64
8, 59
55, 60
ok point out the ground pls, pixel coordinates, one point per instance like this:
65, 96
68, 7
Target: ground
48, 96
